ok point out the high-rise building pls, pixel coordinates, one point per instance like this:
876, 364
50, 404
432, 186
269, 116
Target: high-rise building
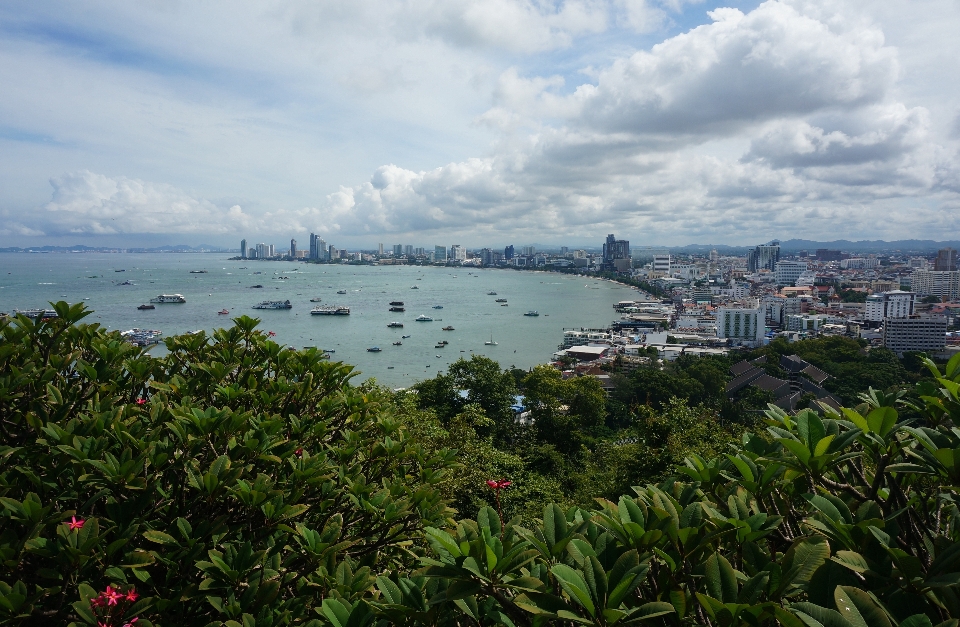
564, 250
714, 256
419, 252
333, 254
243, 249
458, 253
380, 249
508, 252
322, 250
440, 253
915, 334
529, 251
316, 247
946, 260
661, 263
408, 250
825, 254
616, 250
742, 324
893, 304
943, 284
787, 272
293, 248
764, 257
398, 250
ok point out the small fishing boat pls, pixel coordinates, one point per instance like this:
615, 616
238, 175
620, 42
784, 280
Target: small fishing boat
396, 303
448, 328
532, 313
398, 343
397, 309
438, 306
404, 336
145, 306
223, 312
341, 291
491, 293
395, 325
316, 300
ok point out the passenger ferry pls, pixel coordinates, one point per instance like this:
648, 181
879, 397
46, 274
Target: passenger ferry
169, 298
274, 304
330, 310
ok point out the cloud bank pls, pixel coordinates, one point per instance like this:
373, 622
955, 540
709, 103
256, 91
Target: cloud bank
789, 118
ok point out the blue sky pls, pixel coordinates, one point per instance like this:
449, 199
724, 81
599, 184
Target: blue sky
483, 122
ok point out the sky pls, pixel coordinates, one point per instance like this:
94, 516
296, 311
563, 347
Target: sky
480, 122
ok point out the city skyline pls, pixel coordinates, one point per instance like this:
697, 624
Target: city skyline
667, 122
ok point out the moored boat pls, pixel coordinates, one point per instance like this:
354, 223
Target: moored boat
395, 325
448, 328
532, 313
330, 310
36, 313
374, 349
396, 303
500, 300
146, 306
423, 318
273, 304
169, 298
315, 300
397, 309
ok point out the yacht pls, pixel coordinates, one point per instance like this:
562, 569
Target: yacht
145, 306
330, 310
274, 304
374, 349
532, 313
395, 325
422, 318
169, 298
414, 287
397, 309
341, 291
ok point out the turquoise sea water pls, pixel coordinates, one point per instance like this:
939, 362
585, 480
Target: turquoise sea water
31, 280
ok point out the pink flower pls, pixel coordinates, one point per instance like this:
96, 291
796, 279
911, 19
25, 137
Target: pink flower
498, 484
132, 621
112, 595
270, 333
141, 401
132, 596
299, 452
75, 523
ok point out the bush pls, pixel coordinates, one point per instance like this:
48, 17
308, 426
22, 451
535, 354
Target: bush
230, 482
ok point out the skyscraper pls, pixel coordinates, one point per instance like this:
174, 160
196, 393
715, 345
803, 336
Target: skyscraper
508, 252
616, 254
243, 249
293, 248
764, 257
439, 253
946, 260
398, 250
380, 249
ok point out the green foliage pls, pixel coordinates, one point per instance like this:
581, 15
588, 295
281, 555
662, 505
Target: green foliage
230, 482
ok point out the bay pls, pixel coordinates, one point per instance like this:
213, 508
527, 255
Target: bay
563, 301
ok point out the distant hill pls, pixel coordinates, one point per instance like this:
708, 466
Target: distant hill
863, 246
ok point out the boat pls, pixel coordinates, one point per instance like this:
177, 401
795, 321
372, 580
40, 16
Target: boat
442, 342
491, 342
223, 312
397, 309
315, 300
395, 325
448, 328
398, 343
504, 305
330, 310
491, 293
439, 346
396, 303
404, 336
414, 287
43, 314
198, 272
532, 313
145, 306
341, 291
328, 350
374, 349
256, 287
438, 306
500, 300
119, 270
422, 318
125, 283
273, 304
142, 337
169, 298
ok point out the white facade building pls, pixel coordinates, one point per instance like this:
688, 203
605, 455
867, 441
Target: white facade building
742, 324
859, 263
894, 304
458, 253
940, 283
788, 272
661, 263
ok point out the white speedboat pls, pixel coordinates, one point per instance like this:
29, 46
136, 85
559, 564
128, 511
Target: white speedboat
422, 318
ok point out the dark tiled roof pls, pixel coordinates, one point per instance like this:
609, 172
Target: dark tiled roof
743, 380
739, 368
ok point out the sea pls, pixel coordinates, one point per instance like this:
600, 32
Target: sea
112, 285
